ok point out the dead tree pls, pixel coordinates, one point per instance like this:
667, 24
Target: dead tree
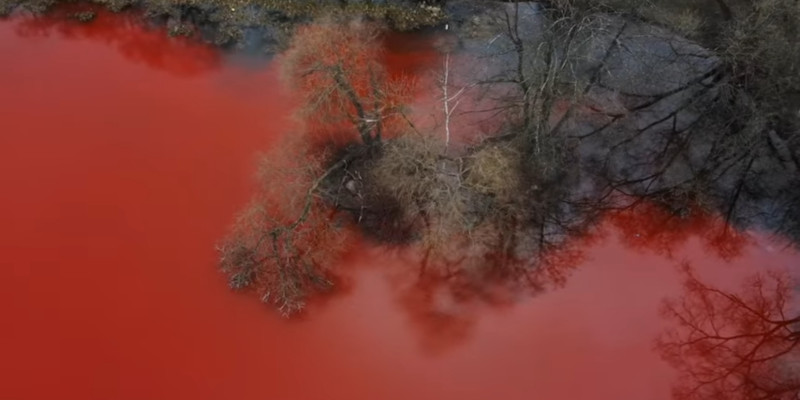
335, 67
286, 242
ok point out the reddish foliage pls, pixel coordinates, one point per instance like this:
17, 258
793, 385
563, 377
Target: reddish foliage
337, 70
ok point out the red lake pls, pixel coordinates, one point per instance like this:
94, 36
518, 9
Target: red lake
125, 154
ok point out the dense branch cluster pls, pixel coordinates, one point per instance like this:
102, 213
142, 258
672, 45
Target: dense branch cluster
478, 213
286, 242
730, 345
590, 108
336, 69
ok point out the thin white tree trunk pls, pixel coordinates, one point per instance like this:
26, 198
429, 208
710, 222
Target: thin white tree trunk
446, 100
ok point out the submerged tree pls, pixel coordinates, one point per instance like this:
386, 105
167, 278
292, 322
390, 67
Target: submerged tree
735, 345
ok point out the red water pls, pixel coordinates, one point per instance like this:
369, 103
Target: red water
121, 168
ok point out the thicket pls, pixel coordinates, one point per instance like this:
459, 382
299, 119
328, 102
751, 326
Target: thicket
478, 213
486, 214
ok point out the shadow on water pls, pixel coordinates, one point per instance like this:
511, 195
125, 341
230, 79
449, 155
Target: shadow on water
733, 332
649, 227
446, 309
152, 47
736, 340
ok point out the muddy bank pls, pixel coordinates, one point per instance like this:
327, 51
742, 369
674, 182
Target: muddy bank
255, 26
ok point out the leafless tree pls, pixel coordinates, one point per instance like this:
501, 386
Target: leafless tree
286, 242
450, 100
335, 66
492, 213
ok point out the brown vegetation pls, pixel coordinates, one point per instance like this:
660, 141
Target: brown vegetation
479, 214
341, 82
285, 243
488, 215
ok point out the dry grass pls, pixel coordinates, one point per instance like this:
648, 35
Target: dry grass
494, 170
429, 187
233, 12
408, 169
468, 211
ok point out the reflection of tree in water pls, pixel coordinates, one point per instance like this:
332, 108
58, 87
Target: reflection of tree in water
734, 345
725, 344
444, 301
485, 219
126, 33
445, 295
649, 226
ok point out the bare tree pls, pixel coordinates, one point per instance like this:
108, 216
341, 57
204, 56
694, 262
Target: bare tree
335, 66
285, 244
450, 101
493, 213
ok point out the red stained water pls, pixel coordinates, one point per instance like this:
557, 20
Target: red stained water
124, 155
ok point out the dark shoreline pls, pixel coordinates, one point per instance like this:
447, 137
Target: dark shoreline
257, 27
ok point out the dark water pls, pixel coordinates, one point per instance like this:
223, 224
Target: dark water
123, 157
